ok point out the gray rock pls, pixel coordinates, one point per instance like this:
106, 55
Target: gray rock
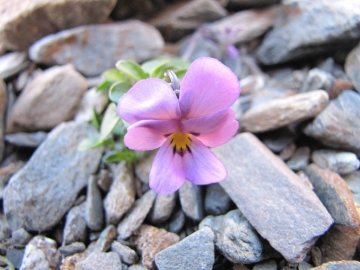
91, 100
136, 267
317, 79
105, 239
300, 158
76, 247
304, 266
150, 240
121, 195
3, 102
338, 125
309, 28
41, 253
21, 237
266, 265
339, 265
217, 202
162, 208
59, 91
259, 182
278, 139
283, 111
20, 27
288, 152
83, 46
127, 255
353, 182
26, 139
136, 215
194, 252
12, 63
75, 225
262, 20
143, 167
176, 222
191, 201
180, 20
250, 3
38, 196
352, 65
337, 161
15, 256
235, 238
94, 207
100, 260
5, 231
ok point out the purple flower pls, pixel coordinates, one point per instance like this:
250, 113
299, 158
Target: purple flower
183, 127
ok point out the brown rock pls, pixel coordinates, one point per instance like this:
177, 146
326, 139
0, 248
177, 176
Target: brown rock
283, 111
338, 125
24, 21
334, 193
121, 195
339, 243
105, 239
68, 263
59, 91
3, 102
340, 85
259, 182
183, 18
341, 240
151, 240
136, 215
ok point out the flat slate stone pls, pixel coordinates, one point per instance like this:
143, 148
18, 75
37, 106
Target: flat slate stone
94, 48
282, 209
339, 265
338, 125
352, 66
23, 22
309, 28
283, 111
194, 252
59, 90
3, 102
13, 63
39, 195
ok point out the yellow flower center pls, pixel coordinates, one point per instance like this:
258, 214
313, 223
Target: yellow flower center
180, 142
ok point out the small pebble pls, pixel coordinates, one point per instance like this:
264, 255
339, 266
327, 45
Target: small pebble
76, 247
93, 206
127, 255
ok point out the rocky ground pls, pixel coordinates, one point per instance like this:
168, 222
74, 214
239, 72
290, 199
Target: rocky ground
292, 195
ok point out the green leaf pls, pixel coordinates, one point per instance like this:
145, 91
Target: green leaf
105, 85
96, 120
119, 129
113, 75
117, 90
179, 63
152, 65
109, 121
131, 70
116, 156
180, 73
90, 142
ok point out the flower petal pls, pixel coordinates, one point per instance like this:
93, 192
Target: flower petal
208, 86
149, 134
167, 173
149, 99
214, 129
201, 166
